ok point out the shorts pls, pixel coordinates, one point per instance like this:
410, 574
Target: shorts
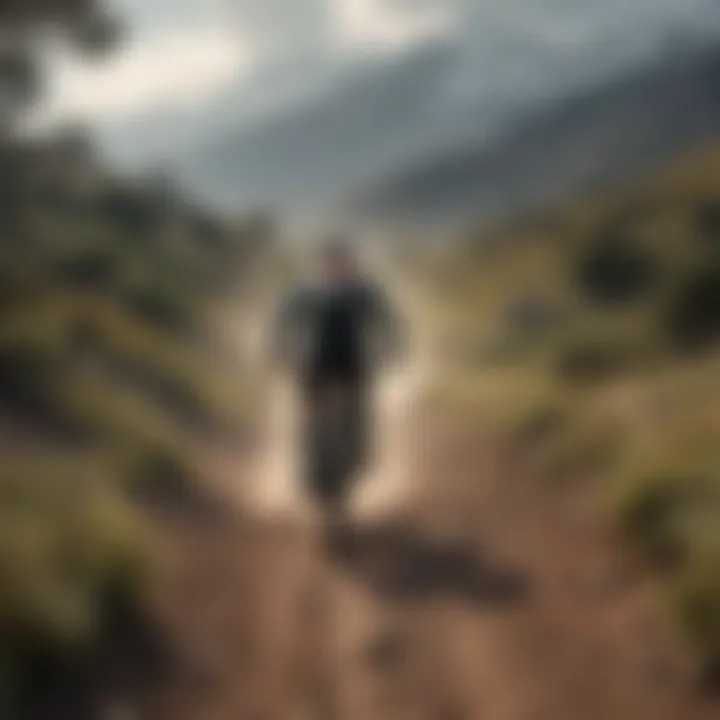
335, 447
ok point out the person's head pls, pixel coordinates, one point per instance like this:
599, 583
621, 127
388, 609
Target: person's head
338, 261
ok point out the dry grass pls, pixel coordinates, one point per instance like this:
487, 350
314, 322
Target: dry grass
613, 392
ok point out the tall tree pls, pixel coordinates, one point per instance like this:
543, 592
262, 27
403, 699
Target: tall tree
25, 25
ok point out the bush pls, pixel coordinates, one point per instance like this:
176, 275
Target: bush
587, 446
692, 316
647, 510
663, 495
166, 309
128, 209
597, 358
95, 267
157, 472
707, 222
28, 372
69, 544
695, 596
538, 423
616, 271
588, 362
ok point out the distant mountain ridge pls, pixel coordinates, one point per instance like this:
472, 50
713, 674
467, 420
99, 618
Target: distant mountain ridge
587, 141
298, 159
385, 148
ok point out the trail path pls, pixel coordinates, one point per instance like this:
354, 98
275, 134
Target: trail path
471, 591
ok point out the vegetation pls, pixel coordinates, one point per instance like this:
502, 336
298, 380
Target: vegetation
109, 378
610, 371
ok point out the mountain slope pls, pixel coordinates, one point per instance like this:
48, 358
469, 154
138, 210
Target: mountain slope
297, 159
587, 141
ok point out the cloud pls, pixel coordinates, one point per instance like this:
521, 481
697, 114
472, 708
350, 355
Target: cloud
340, 27
285, 27
222, 65
378, 24
178, 68
186, 51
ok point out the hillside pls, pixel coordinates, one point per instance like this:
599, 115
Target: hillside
110, 383
539, 521
393, 142
588, 141
589, 341
300, 160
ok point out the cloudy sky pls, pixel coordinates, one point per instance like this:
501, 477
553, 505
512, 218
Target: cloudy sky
191, 68
181, 54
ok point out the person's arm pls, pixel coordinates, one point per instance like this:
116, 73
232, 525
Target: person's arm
389, 326
288, 324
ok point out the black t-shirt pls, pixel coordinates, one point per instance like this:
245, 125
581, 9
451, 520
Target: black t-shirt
332, 334
338, 351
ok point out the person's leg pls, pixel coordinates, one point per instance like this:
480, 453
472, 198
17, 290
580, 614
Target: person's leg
326, 476
323, 436
357, 429
310, 437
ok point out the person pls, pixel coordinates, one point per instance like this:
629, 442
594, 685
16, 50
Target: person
334, 333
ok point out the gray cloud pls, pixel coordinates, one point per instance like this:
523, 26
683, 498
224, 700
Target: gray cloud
285, 26
509, 53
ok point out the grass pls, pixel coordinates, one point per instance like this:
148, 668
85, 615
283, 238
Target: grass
624, 388
72, 537
69, 542
110, 384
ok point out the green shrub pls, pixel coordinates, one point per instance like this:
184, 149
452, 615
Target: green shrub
588, 361
28, 373
648, 509
692, 315
707, 222
588, 445
69, 543
695, 596
93, 267
161, 306
598, 357
129, 209
614, 270
160, 472
663, 492
538, 423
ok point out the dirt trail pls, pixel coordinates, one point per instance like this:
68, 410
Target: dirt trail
478, 593
470, 590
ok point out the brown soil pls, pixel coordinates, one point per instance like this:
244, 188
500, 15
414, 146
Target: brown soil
489, 594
